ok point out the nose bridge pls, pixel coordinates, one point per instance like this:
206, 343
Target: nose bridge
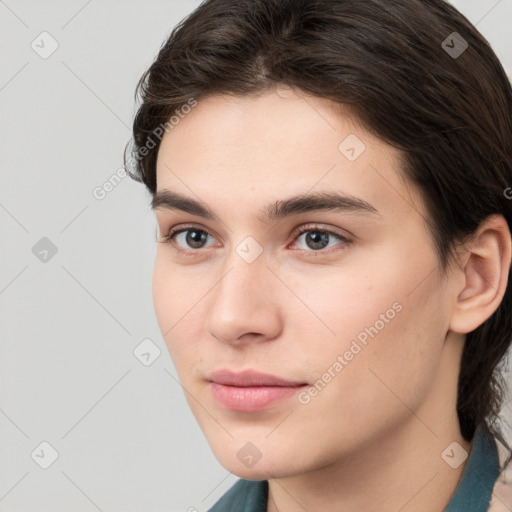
244, 278
243, 301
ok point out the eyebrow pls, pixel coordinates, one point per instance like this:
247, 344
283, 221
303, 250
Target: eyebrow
328, 201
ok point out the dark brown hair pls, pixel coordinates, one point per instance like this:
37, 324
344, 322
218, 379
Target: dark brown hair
406, 77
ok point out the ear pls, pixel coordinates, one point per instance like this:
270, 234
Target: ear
484, 267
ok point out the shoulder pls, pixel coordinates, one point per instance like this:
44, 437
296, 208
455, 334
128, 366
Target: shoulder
244, 496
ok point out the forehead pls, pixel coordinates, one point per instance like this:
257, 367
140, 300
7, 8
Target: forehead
276, 144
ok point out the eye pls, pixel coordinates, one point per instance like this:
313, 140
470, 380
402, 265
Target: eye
189, 240
190, 237
315, 239
194, 238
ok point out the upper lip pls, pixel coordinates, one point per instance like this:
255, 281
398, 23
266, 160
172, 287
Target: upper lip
249, 378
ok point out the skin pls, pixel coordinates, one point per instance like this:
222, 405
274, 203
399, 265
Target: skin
372, 438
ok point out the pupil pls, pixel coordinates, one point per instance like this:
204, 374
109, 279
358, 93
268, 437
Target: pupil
195, 238
316, 237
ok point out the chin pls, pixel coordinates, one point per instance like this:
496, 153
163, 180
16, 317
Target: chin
264, 468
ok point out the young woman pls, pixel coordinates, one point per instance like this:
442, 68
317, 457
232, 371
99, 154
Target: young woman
332, 185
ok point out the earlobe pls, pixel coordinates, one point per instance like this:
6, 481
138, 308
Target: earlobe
485, 275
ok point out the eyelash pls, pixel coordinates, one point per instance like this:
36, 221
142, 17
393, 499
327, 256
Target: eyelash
169, 239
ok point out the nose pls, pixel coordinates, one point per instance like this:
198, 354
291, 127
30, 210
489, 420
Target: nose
244, 306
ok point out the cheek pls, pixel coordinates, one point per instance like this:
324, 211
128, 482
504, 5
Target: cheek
337, 305
163, 301
176, 291
173, 301
388, 330
387, 367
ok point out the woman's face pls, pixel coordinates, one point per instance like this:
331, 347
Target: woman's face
352, 314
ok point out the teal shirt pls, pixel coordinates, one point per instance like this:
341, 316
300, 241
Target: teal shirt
473, 492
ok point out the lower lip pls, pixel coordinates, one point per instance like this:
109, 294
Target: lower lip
251, 399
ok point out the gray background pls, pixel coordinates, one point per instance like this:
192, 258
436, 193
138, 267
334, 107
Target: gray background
125, 437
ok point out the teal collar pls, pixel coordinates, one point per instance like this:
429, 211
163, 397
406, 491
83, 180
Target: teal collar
473, 492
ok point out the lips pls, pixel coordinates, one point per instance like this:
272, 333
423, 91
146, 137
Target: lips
250, 391
250, 378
